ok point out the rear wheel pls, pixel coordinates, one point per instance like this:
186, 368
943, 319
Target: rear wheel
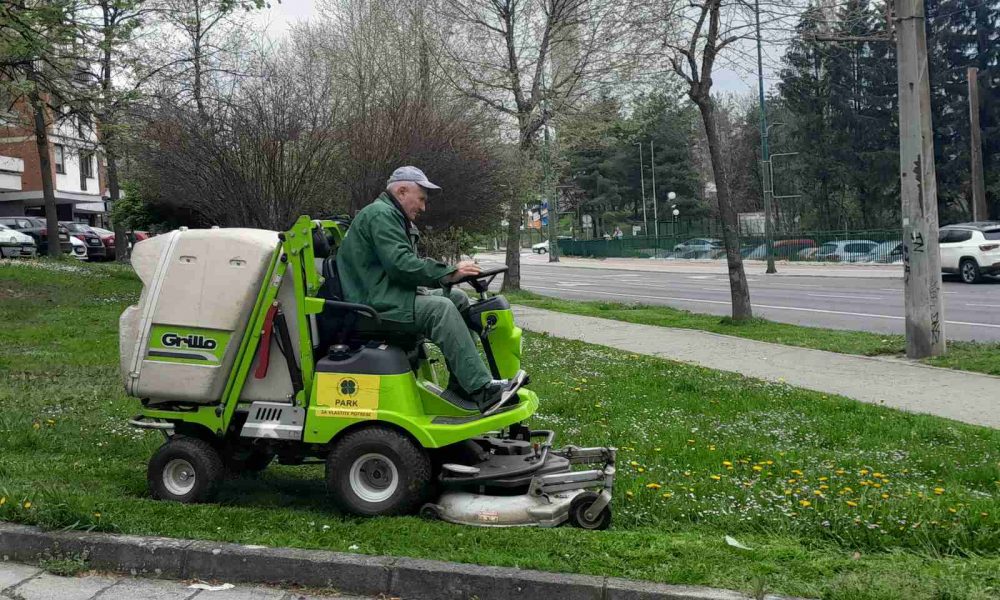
185, 469
378, 471
970, 271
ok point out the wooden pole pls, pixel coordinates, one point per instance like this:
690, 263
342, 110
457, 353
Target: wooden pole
925, 335
979, 210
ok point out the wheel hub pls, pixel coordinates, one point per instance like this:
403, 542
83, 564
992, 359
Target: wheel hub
179, 477
374, 477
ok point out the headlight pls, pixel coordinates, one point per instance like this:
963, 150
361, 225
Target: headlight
13, 240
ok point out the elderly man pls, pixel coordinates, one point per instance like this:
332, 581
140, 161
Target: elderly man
379, 266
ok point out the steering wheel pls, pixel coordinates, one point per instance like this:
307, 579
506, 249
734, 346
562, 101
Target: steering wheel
482, 281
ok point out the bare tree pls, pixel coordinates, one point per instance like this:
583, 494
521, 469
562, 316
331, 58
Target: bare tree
709, 28
529, 60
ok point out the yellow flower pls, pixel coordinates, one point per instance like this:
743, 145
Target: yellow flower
3, 500
690, 441
846, 490
634, 464
852, 504
817, 492
35, 425
687, 473
657, 449
27, 504
982, 514
711, 448
864, 471
792, 480
653, 486
877, 475
716, 477
938, 491
952, 510
667, 494
769, 462
50, 421
805, 503
577, 389
824, 487
629, 494
885, 496
788, 492
758, 468
796, 472
642, 470
727, 463
840, 471
823, 478
876, 485
97, 514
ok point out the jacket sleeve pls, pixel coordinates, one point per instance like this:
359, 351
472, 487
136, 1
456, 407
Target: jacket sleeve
401, 263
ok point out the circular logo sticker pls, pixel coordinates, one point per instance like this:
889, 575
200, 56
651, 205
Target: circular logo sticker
348, 387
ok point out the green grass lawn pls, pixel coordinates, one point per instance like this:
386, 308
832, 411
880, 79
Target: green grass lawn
835, 499
966, 356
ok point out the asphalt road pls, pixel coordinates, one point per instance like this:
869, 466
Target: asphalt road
972, 312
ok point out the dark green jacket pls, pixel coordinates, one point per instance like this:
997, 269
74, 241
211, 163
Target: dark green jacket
378, 262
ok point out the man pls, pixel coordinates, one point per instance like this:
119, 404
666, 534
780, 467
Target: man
379, 266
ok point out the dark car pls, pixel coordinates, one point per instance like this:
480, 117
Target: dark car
83, 232
36, 228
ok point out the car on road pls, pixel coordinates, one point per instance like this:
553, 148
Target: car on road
83, 232
37, 229
971, 250
14, 244
704, 245
845, 250
887, 252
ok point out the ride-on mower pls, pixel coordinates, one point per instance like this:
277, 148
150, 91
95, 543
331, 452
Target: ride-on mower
242, 351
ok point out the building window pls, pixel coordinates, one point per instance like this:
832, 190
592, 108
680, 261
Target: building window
60, 159
87, 165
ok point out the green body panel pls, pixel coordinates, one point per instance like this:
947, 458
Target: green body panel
505, 341
340, 400
336, 401
187, 345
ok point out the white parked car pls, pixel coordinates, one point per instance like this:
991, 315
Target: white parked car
698, 245
887, 252
845, 250
79, 248
541, 247
14, 244
971, 250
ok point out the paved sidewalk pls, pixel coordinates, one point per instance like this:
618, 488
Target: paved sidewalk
896, 383
23, 582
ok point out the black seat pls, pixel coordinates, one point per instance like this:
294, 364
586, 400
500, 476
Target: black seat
341, 327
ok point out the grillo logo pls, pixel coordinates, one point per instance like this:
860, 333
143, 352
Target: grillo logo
197, 342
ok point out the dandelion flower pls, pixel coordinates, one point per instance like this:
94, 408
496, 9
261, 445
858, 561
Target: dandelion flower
667, 494
642, 470
653, 486
938, 491
758, 468
629, 494
817, 493
796, 472
27, 504
852, 504
716, 477
805, 503
634, 464
727, 463
3, 500
952, 510
864, 471
885, 496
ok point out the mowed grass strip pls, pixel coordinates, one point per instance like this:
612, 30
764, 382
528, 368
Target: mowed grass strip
965, 356
834, 498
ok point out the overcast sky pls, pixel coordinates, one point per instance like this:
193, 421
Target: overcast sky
281, 15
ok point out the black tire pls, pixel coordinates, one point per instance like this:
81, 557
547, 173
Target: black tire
176, 462
578, 509
969, 271
378, 471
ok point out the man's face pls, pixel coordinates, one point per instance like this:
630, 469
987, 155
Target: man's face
413, 199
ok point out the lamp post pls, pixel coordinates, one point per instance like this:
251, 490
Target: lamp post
652, 168
671, 197
642, 183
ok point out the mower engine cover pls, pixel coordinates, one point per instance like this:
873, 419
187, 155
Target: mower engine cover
180, 341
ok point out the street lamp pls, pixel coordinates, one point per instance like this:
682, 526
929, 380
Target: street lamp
642, 183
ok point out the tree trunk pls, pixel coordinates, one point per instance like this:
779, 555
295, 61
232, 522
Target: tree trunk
739, 290
114, 195
45, 166
512, 278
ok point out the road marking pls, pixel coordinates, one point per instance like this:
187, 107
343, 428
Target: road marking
984, 305
795, 308
848, 297
572, 284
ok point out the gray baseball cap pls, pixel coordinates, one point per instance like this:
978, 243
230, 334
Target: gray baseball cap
411, 174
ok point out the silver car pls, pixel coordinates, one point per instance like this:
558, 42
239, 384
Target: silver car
14, 244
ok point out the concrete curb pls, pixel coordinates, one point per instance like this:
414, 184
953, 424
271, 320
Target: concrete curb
348, 573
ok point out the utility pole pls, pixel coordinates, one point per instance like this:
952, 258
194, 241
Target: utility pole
550, 189
765, 160
642, 183
925, 335
652, 168
979, 210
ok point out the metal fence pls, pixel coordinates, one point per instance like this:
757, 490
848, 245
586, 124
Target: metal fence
874, 246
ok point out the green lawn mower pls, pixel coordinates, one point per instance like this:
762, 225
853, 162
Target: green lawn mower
242, 353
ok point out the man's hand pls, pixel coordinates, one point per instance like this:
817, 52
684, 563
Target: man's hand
466, 268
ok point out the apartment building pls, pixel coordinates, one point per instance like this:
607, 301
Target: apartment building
76, 162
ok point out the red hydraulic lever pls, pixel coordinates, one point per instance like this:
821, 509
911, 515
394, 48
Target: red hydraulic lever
265, 343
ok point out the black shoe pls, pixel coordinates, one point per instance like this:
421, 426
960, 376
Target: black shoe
490, 394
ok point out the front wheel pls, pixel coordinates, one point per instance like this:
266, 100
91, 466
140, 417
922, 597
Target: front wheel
578, 513
185, 469
378, 471
970, 271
